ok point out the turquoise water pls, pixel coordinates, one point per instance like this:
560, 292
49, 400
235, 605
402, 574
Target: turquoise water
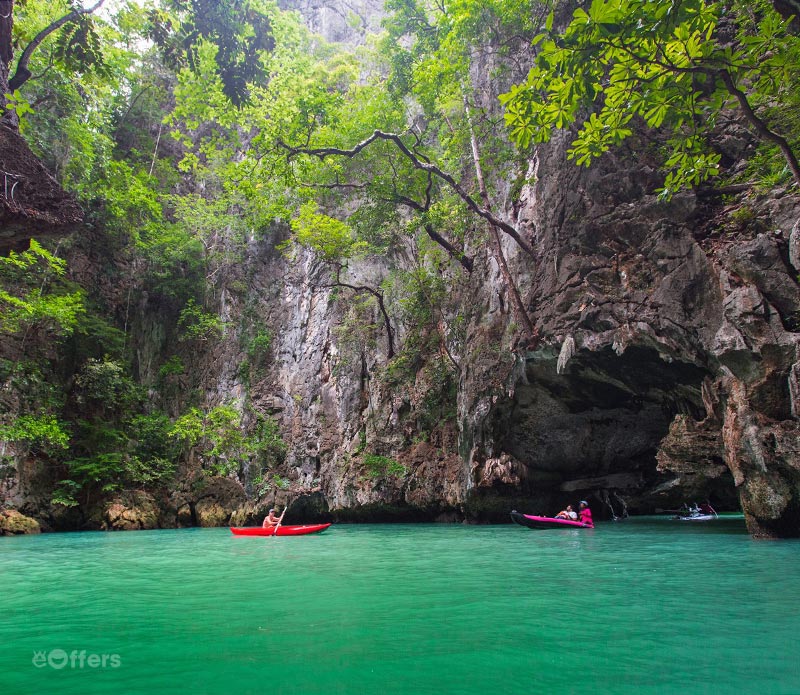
642, 606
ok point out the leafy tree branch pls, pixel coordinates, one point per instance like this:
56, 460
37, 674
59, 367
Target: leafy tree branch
675, 66
22, 73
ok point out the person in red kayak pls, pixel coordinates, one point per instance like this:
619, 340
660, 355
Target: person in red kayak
270, 520
586, 514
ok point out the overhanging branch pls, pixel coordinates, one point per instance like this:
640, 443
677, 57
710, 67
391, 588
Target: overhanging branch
22, 74
418, 162
381, 306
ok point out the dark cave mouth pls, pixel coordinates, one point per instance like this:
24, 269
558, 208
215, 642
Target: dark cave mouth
604, 416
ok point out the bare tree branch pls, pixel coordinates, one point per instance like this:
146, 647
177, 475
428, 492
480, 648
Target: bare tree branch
518, 305
465, 261
419, 163
761, 128
379, 297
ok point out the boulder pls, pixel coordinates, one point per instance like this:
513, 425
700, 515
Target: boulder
209, 512
13, 523
130, 512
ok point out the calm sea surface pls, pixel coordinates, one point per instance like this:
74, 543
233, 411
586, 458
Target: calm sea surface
641, 606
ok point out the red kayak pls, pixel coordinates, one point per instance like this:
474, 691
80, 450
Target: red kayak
543, 522
282, 530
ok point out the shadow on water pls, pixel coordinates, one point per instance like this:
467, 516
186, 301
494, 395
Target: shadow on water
724, 524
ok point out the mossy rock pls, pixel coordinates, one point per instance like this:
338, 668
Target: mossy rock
131, 512
13, 523
211, 513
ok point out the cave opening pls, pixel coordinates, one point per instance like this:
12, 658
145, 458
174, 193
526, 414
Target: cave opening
596, 428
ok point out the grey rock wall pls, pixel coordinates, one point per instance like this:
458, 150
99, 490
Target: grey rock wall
673, 327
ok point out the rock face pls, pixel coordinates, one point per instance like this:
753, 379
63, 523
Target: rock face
200, 500
340, 22
667, 336
667, 369
31, 201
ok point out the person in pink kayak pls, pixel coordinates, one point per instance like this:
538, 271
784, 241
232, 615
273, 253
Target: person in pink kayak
586, 514
568, 514
270, 520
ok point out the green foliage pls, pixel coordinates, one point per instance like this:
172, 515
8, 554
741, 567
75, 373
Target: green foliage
40, 298
152, 451
330, 238
419, 292
131, 204
266, 483
439, 399
78, 46
173, 366
32, 384
42, 433
259, 345
667, 64
357, 329
79, 70
94, 336
103, 384
383, 467
196, 324
105, 473
105, 470
400, 370
266, 442
219, 438
19, 105
175, 263
257, 350
107, 458
65, 493
240, 29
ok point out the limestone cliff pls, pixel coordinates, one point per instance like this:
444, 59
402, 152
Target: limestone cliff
670, 333
667, 369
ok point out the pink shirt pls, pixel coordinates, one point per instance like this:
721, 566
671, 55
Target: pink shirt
586, 517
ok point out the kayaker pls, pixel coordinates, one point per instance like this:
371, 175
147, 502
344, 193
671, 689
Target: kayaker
586, 514
270, 519
568, 513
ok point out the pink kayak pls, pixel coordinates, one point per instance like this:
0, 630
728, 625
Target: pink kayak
544, 522
282, 530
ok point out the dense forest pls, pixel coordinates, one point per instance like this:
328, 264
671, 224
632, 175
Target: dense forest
208, 159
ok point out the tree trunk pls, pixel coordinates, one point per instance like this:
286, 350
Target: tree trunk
520, 313
6, 51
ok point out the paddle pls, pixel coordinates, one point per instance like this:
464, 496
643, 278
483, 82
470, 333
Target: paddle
278, 525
